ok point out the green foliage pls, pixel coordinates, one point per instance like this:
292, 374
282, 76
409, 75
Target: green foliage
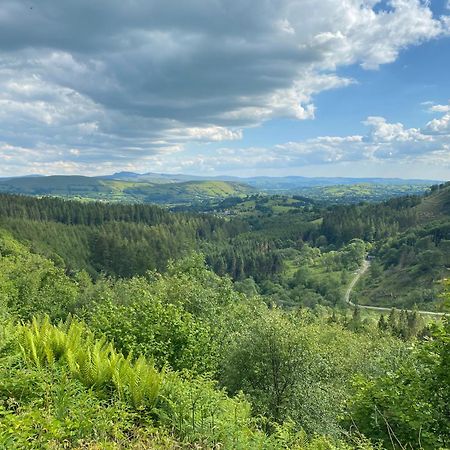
45, 401
312, 276
298, 367
186, 358
121, 240
94, 362
40, 405
56, 412
164, 332
404, 324
408, 406
171, 318
31, 284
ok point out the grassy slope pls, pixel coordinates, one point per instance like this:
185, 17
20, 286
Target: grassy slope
435, 206
186, 192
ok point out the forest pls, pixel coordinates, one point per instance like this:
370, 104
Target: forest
225, 326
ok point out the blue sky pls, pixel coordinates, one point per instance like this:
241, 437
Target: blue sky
399, 91
242, 87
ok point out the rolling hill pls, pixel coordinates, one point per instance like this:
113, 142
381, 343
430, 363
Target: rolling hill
266, 183
181, 189
93, 188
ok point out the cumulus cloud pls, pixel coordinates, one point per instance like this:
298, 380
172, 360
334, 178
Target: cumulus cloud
440, 108
121, 81
439, 125
384, 142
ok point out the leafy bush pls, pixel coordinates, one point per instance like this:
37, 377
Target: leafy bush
409, 405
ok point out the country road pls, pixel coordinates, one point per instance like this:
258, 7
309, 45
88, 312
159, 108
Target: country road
361, 271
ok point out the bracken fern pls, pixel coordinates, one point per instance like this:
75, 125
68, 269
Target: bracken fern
94, 362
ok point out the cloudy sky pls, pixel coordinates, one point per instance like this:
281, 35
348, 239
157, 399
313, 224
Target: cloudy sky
243, 87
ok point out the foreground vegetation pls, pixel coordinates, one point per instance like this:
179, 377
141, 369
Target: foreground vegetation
129, 326
182, 359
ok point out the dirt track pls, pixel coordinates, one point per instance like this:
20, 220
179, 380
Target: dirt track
361, 271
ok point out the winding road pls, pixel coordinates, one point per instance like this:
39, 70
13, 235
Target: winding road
361, 271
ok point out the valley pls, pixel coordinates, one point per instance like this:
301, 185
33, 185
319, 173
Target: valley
225, 225
249, 312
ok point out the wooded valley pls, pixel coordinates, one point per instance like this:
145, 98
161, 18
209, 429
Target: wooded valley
223, 324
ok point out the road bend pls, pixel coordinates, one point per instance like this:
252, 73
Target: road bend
361, 271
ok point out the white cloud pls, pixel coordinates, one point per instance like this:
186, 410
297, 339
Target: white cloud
441, 125
211, 133
440, 108
383, 143
143, 77
432, 107
382, 131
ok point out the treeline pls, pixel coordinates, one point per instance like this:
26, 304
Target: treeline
370, 222
403, 324
126, 240
427, 247
71, 212
119, 240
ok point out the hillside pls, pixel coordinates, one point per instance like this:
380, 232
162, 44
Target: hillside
55, 185
206, 192
283, 183
436, 205
411, 245
374, 191
92, 188
267, 240
185, 192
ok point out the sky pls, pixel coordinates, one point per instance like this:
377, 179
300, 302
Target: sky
354, 88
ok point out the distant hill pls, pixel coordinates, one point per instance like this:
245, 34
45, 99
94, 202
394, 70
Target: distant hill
361, 192
325, 189
186, 192
294, 183
108, 189
181, 189
268, 183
